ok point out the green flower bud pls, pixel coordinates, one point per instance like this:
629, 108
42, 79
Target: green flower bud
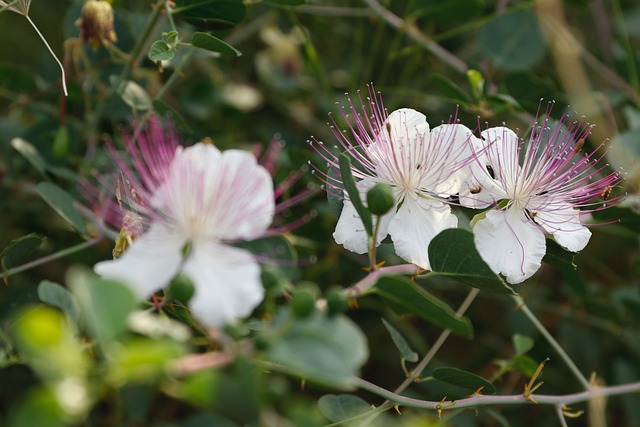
181, 289
380, 199
336, 301
303, 303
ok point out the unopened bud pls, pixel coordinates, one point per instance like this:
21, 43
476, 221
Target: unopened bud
96, 23
380, 199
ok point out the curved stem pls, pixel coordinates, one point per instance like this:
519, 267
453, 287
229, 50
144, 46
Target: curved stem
52, 257
64, 82
371, 278
481, 400
552, 341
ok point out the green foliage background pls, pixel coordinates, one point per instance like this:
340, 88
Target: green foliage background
484, 61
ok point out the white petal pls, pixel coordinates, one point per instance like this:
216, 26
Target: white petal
215, 195
350, 231
503, 153
510, 244
415, 224
149, 264
227, 283
565, 226
408, 119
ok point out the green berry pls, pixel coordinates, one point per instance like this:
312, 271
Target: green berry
181, 289
336, 301
303, 303
380, 199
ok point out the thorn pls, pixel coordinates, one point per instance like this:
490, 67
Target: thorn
397, 408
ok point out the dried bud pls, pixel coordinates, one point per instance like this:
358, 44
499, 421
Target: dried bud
96, 23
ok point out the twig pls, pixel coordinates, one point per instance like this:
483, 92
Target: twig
552, 341
414, 33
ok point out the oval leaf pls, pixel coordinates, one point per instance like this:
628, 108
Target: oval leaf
464, 379
513, 41
326, 349
160, 51
30, 153
405, 297
453, 253
522, 343
19, 250
338, 407
62, 203
407, 353
133, 94
208, 42
57, 296
354, 194
211, 14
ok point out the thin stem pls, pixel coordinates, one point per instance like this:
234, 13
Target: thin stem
176, 73
52, 257
415, 374
372, 241
563, 421
64, 82
414, 33
371, 278
482, 400
552, 341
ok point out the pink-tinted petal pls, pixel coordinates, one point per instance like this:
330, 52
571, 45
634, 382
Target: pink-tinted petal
149, 263
227, 283
563, 222
510, 244
350, 231
415, 224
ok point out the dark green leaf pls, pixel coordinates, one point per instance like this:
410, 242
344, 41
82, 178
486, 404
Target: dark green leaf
619, 217
30, 153
525, 364
208, 420
558, 256
17, 80
453, 253
105, 304
522, 343
354, 194
325, 349
464, 379
208, 42
211, 14
20, 250
164, 109
57, 296
513, 41
62, 203
338, 407
407, 353
334, 197
406, 297
160, 51
449, 89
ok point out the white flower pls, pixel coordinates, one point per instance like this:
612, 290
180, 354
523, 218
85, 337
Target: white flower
195, 203
536, 188
423, 167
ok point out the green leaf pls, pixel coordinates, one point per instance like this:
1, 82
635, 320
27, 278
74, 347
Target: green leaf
338, 407
619, 217
522, 343
30, 153
160, 51
58, 296
524, 364
464, 379
211, 14
449, 89
453, 253
405, 297
407, 353
336, 202
132, 94
558, 256
354, 194
61, 143
513, 41
62, 203
207, 420
17, 79
326, 349
105, 304
208, 42
19, 250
